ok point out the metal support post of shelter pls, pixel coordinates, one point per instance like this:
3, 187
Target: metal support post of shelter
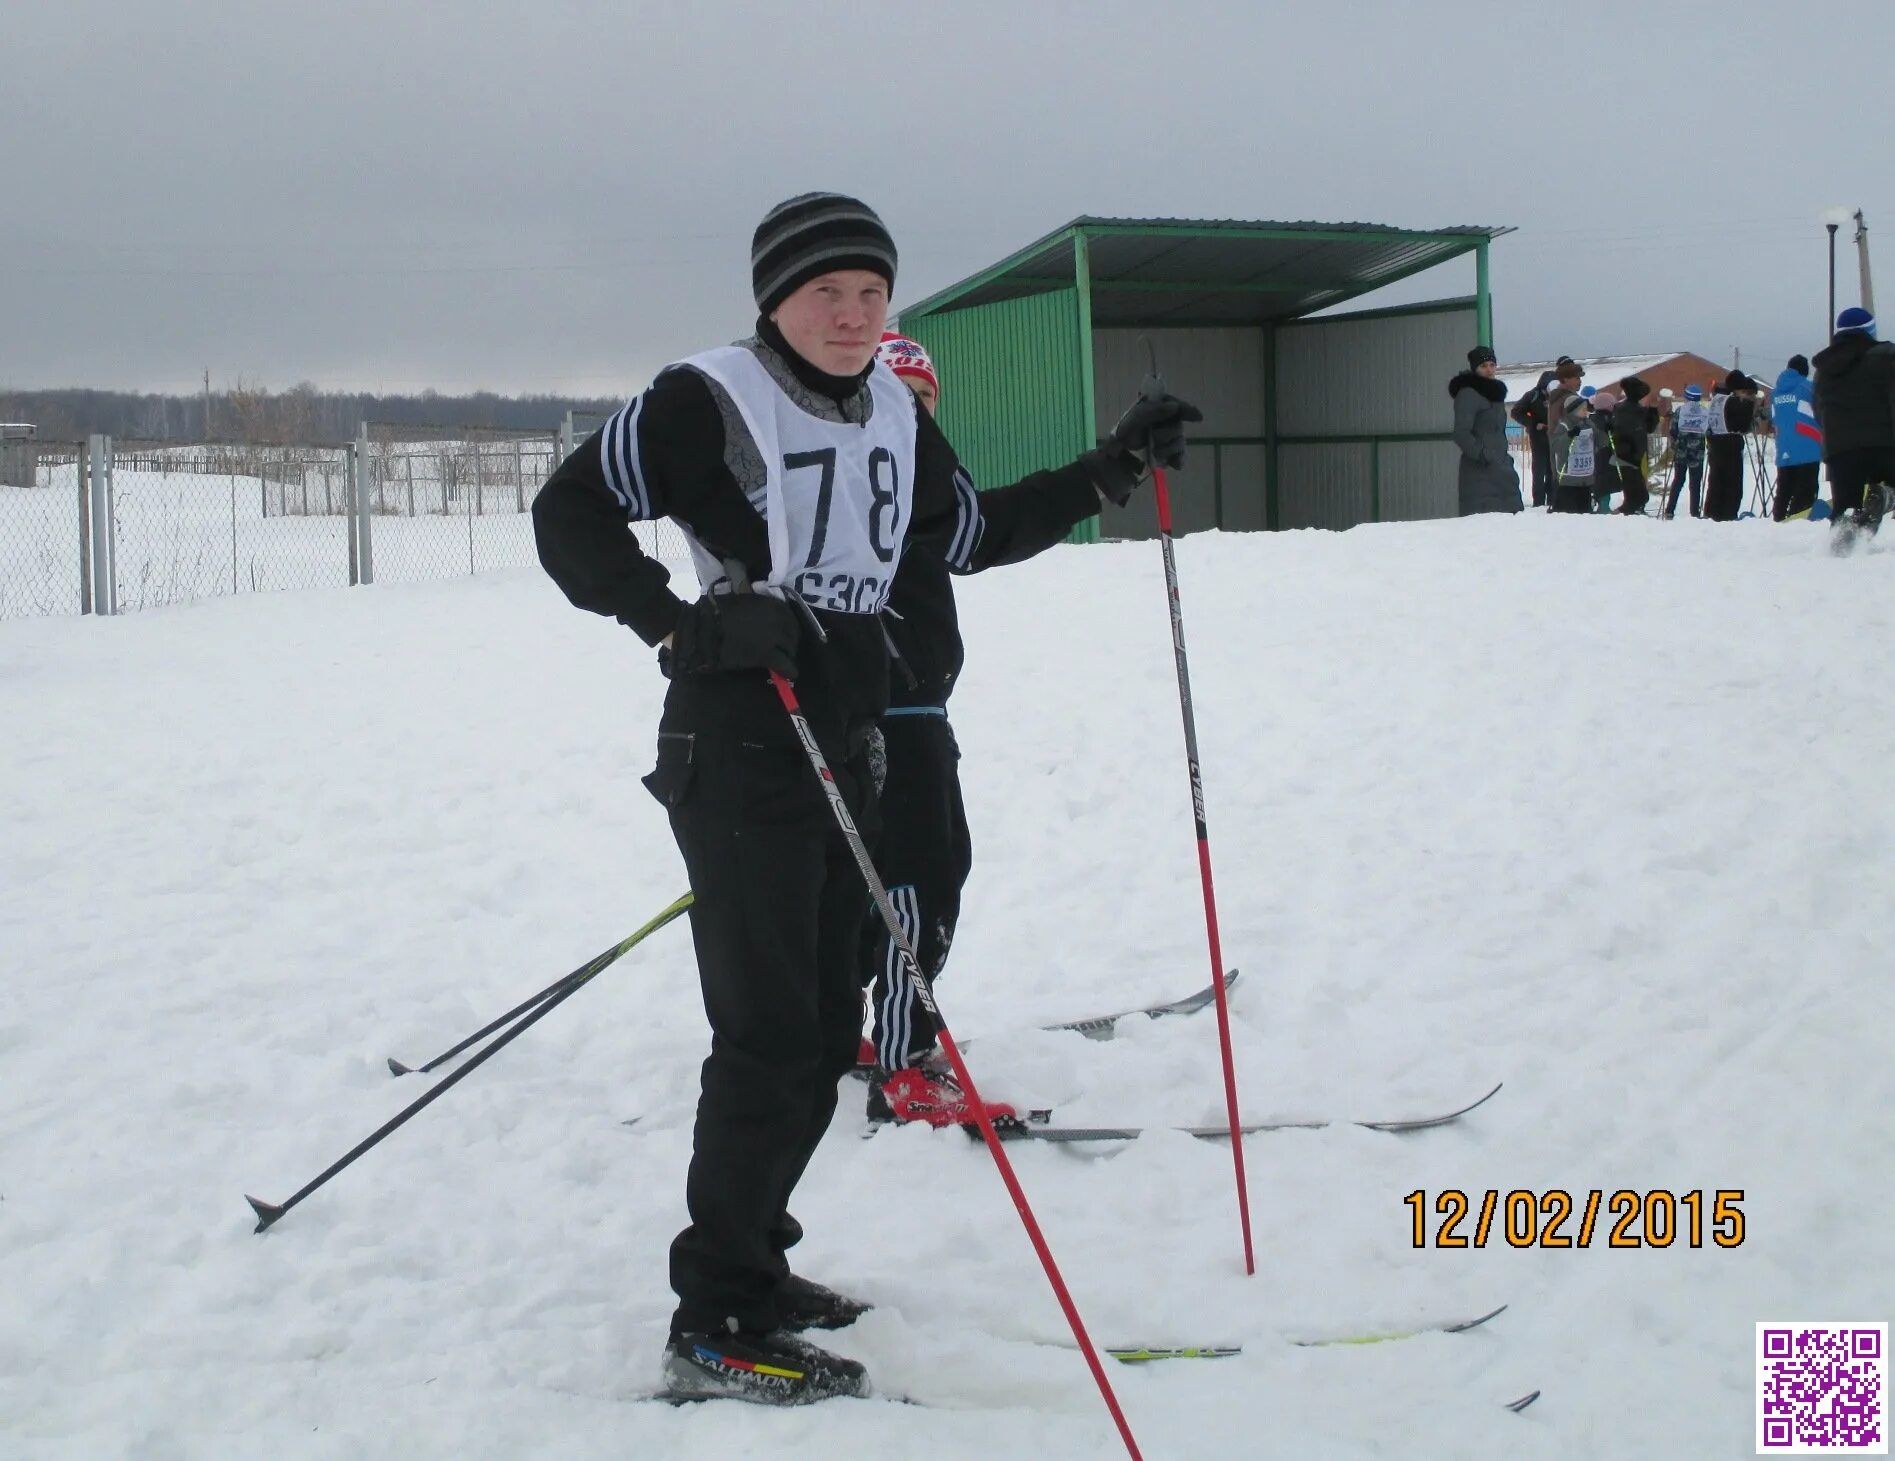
104, 569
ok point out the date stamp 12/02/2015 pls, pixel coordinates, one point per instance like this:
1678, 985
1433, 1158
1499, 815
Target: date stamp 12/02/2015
1556, 1218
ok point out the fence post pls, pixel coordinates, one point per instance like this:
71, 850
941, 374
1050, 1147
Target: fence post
565, 440
364, 518
355, 552
519, 475
470, 528
101, 525
83, 475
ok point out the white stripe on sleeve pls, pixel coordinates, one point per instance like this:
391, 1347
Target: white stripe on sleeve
618, 456
969, 525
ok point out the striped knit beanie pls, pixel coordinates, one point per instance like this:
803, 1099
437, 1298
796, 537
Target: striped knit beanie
812, 234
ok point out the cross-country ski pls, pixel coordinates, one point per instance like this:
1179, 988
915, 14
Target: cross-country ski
1135, 1354
1040, 1126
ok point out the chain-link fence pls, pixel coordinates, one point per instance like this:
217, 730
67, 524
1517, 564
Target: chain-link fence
191, 534
192, 522
454, 504
43, 535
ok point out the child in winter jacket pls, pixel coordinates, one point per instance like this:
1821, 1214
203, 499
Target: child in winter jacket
1575, 456
1690, 421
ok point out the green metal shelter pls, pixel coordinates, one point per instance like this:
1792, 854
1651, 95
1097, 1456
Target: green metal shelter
1309, 422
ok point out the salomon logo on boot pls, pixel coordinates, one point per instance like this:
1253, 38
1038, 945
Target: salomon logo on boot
765, 1369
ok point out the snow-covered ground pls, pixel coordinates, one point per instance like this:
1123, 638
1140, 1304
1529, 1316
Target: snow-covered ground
1592, 806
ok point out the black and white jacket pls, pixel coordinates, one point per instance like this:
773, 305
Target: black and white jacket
697, 465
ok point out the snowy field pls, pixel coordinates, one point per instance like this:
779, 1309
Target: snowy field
1596, 807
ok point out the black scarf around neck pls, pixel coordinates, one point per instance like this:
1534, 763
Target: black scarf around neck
838, 388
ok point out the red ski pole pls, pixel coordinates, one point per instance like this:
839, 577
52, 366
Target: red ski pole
1154, 387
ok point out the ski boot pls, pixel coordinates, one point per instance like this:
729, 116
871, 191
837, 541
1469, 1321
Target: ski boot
1851, 530
1874, 508
775, 1368
927, 1091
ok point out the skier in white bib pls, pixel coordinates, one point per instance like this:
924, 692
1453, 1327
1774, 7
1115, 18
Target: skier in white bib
1689, 424
797, 455
926, 851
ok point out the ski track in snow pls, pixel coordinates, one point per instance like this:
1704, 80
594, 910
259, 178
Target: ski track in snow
1597, 807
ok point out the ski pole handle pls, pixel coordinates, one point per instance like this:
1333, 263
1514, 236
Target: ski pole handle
1152, 388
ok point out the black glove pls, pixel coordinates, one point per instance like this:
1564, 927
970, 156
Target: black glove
1154, 425
1114, 471
734, 632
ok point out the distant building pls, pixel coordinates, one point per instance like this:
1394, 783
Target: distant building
19, 458
1671, 372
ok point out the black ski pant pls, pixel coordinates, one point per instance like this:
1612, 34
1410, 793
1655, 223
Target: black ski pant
1853, 471
1570, 498
777, 922
1724, 487
1542, 466
924, 856
1686, 469
1632, 484
1796, 490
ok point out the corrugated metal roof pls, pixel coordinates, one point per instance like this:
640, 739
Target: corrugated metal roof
1469, 230
1159, 271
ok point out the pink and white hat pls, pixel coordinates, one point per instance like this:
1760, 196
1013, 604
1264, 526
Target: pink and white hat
906, 357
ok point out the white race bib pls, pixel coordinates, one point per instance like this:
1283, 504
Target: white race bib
837, 498
1579, 459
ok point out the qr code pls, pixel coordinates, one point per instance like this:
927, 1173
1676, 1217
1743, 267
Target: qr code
1822, 1389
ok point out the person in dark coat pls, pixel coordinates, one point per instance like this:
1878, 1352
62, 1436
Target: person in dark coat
1733, 413
1855, 405
1488, 481
1532, 414
1567, 375
1632, 423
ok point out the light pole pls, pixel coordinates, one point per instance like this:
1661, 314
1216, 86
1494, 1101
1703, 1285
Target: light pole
1862, 258
1832, 281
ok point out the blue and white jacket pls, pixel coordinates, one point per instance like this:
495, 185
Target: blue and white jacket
1793, 411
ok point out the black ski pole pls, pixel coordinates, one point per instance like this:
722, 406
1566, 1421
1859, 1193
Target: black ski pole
395, 1067
268, 1212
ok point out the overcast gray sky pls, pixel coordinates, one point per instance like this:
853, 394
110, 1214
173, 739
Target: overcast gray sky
559, 196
